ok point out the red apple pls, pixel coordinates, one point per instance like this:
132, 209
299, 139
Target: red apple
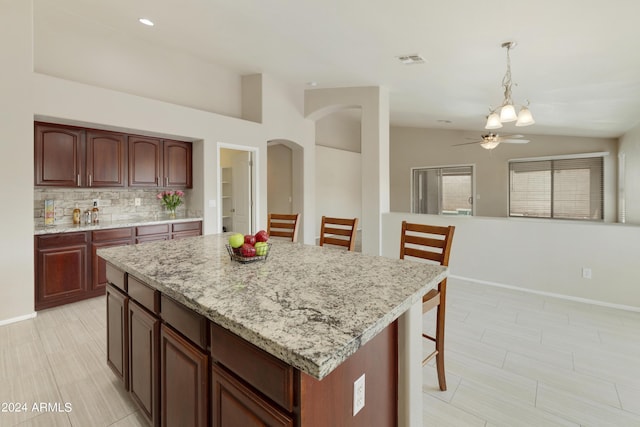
250, 239
262, 236
248, 250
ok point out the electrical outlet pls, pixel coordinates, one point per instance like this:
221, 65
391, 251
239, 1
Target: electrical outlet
586, 273
137, 201
358, 395
96, 202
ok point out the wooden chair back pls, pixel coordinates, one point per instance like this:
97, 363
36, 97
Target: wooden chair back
283, 225
339, 231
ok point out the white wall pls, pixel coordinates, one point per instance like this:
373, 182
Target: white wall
338, 184
630, 147
279, 179
69, 47
419, 147
16, 142
538, 255
341, 129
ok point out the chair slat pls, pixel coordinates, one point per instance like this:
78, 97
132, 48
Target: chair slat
338, 231
287, 225
337, 242
421, 253
425, 241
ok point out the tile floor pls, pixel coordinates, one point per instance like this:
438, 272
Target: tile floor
513, 359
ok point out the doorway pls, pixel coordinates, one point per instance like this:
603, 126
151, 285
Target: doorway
237, 189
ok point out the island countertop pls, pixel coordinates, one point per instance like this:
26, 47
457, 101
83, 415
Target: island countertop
312, 307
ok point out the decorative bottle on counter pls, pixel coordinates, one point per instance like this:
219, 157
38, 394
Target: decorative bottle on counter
95, 212
76, 215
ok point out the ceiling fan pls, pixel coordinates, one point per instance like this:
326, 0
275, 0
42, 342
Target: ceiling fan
492, 140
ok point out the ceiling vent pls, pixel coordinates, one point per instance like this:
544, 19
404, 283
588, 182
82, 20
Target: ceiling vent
411, 59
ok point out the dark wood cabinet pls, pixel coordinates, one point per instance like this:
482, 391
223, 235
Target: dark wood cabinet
105, 239
61, 272
144, 363
184, 379
117, 333
59, 155
177, 164
106, 159
152, 233
159, 163
181, 230
145, 161
69, 156
235, 404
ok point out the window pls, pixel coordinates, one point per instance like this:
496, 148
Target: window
443, 190
565, 188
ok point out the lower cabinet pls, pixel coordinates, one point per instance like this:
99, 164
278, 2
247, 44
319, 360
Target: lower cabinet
144, 363
117, 333
185, 381
105, 239
62, 268
235, 404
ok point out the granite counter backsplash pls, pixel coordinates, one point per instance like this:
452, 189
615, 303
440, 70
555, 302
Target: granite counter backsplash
309, 306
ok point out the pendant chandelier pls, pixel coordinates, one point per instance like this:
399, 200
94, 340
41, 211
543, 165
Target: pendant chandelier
507, 111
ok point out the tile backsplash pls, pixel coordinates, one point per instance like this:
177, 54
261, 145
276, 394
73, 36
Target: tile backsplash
114, 204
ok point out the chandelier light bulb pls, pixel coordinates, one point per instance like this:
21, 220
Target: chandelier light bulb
489, 145
493, 121
525, 118
508, 113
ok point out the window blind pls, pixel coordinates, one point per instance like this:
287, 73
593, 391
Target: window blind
562, 188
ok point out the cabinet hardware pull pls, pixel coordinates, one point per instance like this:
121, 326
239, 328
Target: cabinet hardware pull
78, 179
90, 180
166, 181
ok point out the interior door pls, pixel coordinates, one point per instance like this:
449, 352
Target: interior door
241, 190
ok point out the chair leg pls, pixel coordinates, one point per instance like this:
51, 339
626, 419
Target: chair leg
440, 316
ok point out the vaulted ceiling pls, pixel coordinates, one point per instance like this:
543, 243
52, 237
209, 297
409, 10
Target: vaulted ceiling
577, 61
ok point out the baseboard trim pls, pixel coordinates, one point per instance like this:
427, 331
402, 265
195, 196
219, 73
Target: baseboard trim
18, 319
551, 294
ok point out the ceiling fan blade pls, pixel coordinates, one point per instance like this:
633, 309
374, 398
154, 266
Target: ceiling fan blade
515, 141
511, 136
467, 143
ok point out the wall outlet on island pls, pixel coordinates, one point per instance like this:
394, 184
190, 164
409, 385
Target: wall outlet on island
358, 395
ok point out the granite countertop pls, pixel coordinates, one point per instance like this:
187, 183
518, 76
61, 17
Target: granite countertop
311, 307
103, 225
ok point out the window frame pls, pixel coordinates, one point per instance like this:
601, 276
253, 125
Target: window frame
601, 155
454, 166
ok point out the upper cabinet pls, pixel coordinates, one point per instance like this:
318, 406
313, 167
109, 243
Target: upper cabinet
106, 159
177, 164
59, 156
67, 156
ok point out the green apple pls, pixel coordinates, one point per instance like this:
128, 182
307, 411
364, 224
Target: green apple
236, 240
261, 248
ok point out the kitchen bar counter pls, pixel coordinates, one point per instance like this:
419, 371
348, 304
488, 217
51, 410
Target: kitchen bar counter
104, 225
309, 306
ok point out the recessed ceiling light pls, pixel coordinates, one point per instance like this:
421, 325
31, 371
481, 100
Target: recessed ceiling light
146, 21
412, 59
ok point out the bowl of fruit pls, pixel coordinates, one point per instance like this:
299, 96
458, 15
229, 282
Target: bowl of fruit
249, 247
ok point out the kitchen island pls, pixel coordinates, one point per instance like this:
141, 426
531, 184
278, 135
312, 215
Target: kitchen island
282, 339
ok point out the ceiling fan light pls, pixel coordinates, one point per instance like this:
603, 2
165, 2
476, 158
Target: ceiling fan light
493, 121
507, 113
489, 145
525, 118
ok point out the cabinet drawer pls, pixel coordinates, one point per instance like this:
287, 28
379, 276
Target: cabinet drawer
233, 400
61, 239
184, 320
186, 226
146, 230
111, 234
116, 277
144, 295
263, 371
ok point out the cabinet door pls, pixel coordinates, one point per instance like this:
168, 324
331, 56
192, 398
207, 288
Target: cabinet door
61, 269
184, 381
177, 164
106, 154
118, 334
144, 329
145, 161
99, 266
235, 404
59, 155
